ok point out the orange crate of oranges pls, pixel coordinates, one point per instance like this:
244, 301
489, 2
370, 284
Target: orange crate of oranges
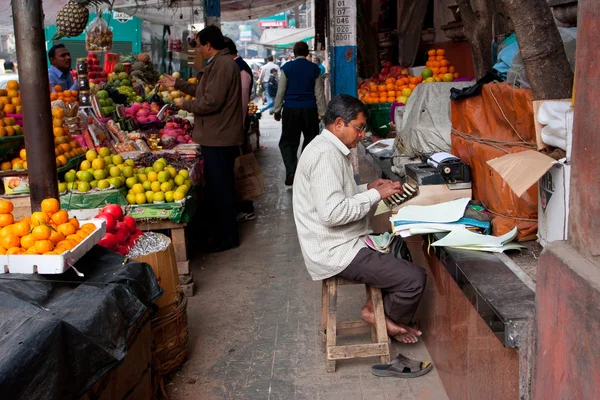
47, 242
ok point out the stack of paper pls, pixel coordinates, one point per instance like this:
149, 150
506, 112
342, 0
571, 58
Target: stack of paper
381, 243
465, 239
443, 217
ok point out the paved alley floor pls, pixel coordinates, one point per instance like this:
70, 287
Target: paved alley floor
254, 319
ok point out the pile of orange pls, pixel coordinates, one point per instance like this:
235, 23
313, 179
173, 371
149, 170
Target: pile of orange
65, 147
9, 127
439, 65
10, 99
392, 90
16, 163
68, 96
47, 232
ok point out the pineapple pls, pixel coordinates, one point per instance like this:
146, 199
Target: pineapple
143, 57
119, 68
73, 17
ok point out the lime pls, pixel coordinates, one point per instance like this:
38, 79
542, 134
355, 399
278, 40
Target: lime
83, 187
121, 167
147, 170
131, 198
98, 163
62, 187
115, 171
85, 165
130, 163
94, 184
163, 176
179, 180
107, 160
142, 178
184, 173
103, 184
91, 155
70, 177
147, 185
427, 73
155, 186
100, 174
158, 166
137, 188
117, 160
183, 188
86, 176
140, 198
159, 196
169, 197
116, 182
131, 181
166, 187
104, 152
127, 171
177, 196
172, 171
72, 185
162, 160
149, 197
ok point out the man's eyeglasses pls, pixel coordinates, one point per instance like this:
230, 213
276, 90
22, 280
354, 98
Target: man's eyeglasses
361, 129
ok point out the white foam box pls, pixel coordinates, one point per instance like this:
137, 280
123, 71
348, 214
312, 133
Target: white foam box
553, 204
31, 264
416, 71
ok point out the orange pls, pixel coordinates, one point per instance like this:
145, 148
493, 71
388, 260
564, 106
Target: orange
53, 96
74, 222
431, 53
6, 219
67, 229
23, 154
6, 206
57, 123
51, 253
59, 217
58, 88
451, 70
390, 86
58, 132
414, 80
456, 75
43, 246
50, 205
12, 85
74, 239
27, 241
444, 63
439, 58
82, 234
390, 100
381, 88
391, 93
21, 228
58, 113
7, 230
30, 251
15, 101
443, 70
2, 250
74, 94
56, 237
41, 232
39, 218
10, 109
64, 244
9, 241
59, 250
439, 52
14, 251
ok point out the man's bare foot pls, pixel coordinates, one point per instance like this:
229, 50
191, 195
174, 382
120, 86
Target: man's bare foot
401, 332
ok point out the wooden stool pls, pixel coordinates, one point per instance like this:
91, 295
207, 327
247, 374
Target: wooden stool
330, 328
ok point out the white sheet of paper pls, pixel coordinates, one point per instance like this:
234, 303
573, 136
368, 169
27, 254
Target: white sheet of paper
380, 145
502, 249
465, 237
450, 211
382, 208
437, 158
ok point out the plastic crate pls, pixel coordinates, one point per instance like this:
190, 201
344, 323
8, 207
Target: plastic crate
378, 120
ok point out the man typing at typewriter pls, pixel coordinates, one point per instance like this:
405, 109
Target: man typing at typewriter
331, 215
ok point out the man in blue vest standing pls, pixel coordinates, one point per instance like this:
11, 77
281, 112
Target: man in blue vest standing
302, 97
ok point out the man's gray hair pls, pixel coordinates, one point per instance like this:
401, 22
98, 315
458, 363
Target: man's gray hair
345, 107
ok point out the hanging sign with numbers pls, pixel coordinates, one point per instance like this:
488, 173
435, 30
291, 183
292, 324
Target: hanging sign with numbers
343, 22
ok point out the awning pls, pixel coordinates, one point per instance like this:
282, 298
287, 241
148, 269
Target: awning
283, 38
182, 12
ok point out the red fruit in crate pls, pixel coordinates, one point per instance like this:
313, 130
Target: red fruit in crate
130, 223
122, 250
114, 210
121, 235
109, 241
111, 222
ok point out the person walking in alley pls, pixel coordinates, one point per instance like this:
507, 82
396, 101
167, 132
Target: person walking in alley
331, 214
265, 75
302, 97
272, 86
219, 129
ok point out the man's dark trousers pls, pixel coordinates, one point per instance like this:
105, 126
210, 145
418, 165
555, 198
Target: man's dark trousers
401, 282
296, 121
221, 194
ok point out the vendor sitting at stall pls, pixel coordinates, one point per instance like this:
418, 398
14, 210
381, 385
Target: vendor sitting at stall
331, 214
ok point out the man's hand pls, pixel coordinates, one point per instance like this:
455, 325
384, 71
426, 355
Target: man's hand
377, 183
167, 81
389, 188
277, 117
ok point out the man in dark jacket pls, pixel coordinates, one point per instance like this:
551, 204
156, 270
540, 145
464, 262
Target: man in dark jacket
218, 128
272, 87
302, 97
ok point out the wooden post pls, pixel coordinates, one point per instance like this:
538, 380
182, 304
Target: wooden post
342, 45
212, 13
35, 94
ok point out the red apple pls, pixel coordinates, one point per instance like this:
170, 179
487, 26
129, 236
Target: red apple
122, 250
109, 241
121, 236
130, 223
114, 210
111, 222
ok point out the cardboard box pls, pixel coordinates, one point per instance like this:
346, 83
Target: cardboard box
553, 204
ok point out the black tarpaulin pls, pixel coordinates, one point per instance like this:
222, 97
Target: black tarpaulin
60, 333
